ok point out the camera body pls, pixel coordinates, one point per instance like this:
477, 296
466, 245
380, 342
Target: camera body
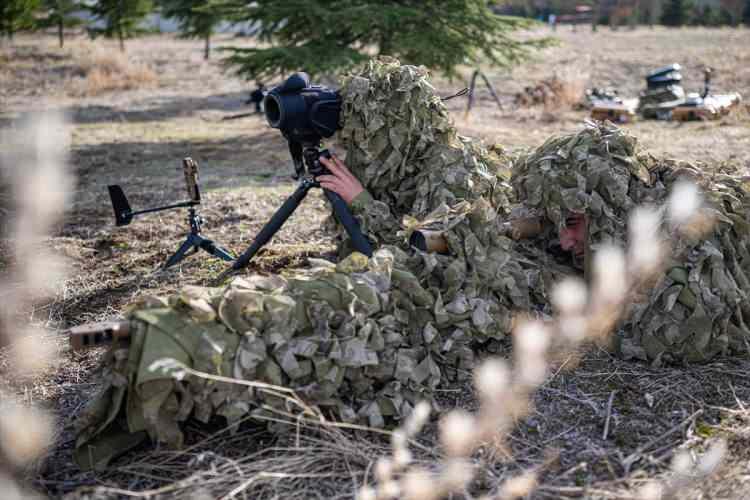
304, 113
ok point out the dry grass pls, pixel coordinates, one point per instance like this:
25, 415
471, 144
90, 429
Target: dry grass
554, 94
107, 71
137, 138
32, 166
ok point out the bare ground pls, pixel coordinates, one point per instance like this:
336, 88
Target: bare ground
136, 137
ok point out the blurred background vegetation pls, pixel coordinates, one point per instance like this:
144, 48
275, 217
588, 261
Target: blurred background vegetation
330, 36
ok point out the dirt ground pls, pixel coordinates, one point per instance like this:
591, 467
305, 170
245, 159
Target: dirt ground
137, 135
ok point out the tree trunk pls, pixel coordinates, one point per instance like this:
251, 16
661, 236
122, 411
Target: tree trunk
595, 15
119, 35
385, 46
60, 34
207, 47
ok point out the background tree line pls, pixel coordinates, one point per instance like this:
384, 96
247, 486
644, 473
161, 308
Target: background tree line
634, 12
329, 36
319, 36
119, 19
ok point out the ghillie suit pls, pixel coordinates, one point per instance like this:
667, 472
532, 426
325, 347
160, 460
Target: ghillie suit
699, 308
362, 339
418, 173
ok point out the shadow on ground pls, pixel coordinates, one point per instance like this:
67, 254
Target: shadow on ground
239, 163
160, 108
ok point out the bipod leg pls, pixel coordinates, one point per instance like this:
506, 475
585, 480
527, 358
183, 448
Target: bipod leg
492, 91
269, 230
472, 85
181, 252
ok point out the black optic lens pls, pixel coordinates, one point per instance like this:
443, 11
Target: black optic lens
273, 110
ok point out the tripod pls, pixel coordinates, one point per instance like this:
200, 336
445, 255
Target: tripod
308, 157
195, 241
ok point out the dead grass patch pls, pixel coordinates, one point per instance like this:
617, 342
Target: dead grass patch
558, 92
106, 71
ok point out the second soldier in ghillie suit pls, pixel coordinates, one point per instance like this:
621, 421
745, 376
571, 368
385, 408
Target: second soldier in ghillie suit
362, 339
699, 307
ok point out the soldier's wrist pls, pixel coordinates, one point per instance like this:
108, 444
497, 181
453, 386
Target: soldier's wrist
360, 202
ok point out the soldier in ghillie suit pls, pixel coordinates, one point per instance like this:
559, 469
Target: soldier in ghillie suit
699, 308
362, 339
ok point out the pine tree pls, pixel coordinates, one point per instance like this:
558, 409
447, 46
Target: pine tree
676, 12
121, 17
16, 15
197, 18
58, 14
746, 13
329, 36
705, 16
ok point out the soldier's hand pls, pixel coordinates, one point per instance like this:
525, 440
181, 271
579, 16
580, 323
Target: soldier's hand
341, 181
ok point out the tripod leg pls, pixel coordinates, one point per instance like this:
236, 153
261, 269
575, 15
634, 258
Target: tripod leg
272, 226
472, 85
181, 252
215, 250
492, 91
346, 219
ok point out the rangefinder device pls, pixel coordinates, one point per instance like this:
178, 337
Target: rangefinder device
304, 113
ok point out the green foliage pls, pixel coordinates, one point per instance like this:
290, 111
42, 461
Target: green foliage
121, 17
676, 12
726, 18
58, 14
197, 18
16, 15
705, 16
331, 36
746, 13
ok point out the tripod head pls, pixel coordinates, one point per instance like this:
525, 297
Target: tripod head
306, 158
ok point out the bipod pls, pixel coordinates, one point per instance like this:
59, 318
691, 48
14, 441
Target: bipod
472, 86
341, 211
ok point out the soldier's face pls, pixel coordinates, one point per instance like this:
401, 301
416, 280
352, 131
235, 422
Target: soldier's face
573, 236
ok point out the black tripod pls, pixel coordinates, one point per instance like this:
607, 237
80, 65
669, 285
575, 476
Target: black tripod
306, 159
197, 242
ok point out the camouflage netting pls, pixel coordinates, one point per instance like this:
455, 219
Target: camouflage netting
595, 172
699, 308
330, 332
420, 174
361, 339
401, 144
